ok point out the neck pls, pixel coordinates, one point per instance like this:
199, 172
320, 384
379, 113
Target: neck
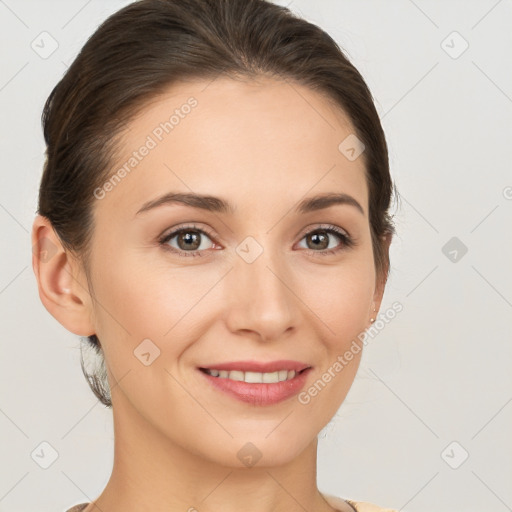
150, 472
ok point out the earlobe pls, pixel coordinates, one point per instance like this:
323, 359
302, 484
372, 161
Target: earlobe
61, 284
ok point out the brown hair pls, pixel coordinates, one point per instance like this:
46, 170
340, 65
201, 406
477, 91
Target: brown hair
145, 47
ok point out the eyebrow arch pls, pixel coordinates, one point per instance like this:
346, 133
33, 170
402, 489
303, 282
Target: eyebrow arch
322, 201
216, 204
210, 203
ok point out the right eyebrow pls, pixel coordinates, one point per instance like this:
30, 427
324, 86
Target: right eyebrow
205, 202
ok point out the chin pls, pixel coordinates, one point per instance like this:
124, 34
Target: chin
258, 451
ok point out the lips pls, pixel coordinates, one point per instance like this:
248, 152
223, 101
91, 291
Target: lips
256, 382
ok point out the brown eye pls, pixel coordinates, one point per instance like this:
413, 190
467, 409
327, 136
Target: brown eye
318, 240
189, 241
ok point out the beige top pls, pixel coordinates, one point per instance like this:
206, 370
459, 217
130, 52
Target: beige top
358, 506
343, 505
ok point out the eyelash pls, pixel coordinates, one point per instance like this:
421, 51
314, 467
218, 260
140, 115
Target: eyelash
347, 241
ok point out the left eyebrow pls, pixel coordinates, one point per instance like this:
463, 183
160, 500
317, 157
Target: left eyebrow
216, 204
322, 201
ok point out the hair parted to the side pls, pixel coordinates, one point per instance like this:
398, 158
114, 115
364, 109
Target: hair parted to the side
139, 52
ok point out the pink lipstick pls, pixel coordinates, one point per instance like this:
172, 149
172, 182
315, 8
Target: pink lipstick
258, 383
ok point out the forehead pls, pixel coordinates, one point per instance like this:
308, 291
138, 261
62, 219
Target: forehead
250, 141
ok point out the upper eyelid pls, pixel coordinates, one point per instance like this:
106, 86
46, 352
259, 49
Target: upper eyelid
176, 231
325, 226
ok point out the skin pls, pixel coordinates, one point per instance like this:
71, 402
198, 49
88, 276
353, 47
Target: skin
263, 146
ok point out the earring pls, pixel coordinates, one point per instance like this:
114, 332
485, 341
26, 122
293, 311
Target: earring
373, 319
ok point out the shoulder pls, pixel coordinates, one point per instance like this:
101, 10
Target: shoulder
77, 508
334, 501
346, 505
364, 506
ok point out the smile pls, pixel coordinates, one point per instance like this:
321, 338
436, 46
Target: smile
253, 377
257, 383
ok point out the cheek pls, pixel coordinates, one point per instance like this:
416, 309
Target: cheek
138, 297
343, 307
341, 298
148, 307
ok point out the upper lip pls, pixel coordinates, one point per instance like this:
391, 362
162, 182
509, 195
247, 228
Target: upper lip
260, 367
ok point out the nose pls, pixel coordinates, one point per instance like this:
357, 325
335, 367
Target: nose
260, 299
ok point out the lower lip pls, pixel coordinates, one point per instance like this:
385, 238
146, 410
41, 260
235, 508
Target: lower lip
259, 394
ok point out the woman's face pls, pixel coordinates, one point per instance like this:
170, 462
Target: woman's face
260, 287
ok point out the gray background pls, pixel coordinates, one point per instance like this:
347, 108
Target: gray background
434, 386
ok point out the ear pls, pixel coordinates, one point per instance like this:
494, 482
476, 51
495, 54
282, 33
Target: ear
380, 282
63, 289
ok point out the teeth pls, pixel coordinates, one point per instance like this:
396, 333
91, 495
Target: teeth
236, 375
253, 377
270, 377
